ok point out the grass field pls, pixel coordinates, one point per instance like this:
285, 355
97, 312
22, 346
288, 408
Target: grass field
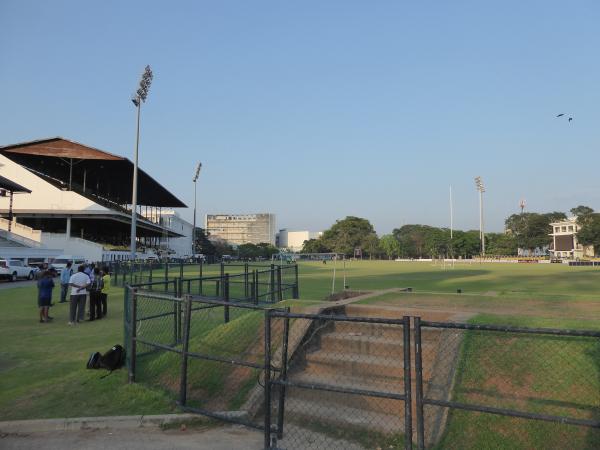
42, 366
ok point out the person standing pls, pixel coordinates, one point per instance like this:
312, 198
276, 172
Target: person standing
95, 295
79, 283
65, 275
45, 285
105, 288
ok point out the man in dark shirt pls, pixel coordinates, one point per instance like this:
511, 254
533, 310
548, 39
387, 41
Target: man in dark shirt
45, 285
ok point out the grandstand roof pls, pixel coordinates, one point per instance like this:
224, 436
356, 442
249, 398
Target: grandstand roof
107, 175
11, 186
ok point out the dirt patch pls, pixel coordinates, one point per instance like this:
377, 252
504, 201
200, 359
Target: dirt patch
344, 295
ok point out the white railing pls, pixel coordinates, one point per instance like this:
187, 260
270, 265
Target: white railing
21, 233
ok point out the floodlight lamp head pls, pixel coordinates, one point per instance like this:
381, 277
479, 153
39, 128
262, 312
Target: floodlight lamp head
197, 172
135, 100
145, 82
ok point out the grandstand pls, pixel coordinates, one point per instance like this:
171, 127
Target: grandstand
79, 200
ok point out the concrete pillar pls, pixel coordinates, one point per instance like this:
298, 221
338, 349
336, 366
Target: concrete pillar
68, 232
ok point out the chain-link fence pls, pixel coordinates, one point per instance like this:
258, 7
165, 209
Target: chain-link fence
327, 380
506, 387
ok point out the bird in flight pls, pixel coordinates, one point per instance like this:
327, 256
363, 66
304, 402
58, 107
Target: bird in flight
560, 115
570, 118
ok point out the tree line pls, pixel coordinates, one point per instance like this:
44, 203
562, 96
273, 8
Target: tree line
528, 230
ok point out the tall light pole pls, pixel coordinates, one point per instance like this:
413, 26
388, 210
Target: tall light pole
138, 98
481, 189
196, 175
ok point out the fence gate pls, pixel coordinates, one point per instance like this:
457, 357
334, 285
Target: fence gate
347, 384
224, 361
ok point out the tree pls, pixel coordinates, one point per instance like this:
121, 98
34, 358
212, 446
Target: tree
581, 211
371, 244
589, 233
315, 246
390, 245
202, 244
501, 244
347, 234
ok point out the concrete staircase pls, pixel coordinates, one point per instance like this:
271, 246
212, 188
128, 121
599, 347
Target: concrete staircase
369, 357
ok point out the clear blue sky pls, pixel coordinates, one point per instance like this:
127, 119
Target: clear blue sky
315, 110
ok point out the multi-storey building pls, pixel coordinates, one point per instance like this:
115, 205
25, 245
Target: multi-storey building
237, 229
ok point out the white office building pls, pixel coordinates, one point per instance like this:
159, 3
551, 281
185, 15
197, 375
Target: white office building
237, 229
293, 240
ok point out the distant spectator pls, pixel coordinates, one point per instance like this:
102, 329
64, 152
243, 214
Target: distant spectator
95, 296
45, 285
105, 288
65, 275
79, 283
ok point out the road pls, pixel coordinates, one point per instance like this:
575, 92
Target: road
221, 438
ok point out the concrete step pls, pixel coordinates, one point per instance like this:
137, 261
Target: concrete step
394, 312
330, 365
395, 332
370, 403
364, 344
299, 410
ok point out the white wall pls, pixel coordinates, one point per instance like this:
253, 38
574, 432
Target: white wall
44, 196
181, 246
73, 246
294, 240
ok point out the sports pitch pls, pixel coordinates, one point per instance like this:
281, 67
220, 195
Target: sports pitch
42, 366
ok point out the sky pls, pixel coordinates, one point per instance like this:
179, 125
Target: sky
317, 110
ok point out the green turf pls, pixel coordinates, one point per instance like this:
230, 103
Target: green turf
541, 374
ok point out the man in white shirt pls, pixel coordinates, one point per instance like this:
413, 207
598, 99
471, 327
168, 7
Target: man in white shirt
79, 283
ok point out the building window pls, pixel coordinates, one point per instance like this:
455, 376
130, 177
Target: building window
570, 227
556, 229
564, 228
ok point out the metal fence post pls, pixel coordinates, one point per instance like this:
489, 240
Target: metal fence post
279, 291
222, 269
133, 334
267, 384
246, 287
272, 284
407, 385
226, 297
255, 286
150, 274
200, 281
419, 386
296, 287
181, 269
184, 351
284, 358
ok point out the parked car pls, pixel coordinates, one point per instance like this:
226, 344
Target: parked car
60, 262
13, 269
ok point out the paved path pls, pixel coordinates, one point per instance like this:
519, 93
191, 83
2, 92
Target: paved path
221, 438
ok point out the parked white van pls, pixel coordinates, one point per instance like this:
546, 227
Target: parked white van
60, 262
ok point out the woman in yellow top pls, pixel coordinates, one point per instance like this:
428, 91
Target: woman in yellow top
104, 291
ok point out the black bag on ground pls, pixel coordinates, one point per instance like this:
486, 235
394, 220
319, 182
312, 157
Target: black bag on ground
113, 359
94, 361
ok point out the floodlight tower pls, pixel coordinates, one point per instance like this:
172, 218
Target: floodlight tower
138, 98
481, 190
194, 229
522, 205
